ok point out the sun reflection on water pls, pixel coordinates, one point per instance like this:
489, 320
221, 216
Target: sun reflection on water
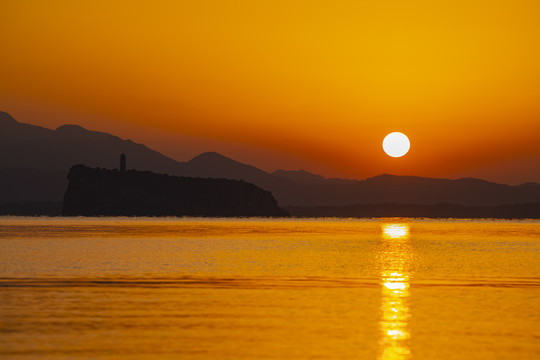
395, 231
395, 292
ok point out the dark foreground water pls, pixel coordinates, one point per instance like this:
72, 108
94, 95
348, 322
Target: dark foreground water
155, 288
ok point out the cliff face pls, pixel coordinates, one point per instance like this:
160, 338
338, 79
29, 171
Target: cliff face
93, 192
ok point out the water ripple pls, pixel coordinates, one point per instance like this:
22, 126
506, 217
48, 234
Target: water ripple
252, 283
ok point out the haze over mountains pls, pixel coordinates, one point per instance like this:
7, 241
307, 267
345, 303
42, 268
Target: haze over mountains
34, 162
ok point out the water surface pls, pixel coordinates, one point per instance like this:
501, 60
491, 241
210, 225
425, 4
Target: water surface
188, 288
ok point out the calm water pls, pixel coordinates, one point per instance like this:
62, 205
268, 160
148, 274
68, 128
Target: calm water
269, 289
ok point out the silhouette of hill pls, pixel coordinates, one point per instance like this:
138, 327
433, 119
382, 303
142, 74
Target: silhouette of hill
24, 184
93, 192
298, 175
33, 147
29, 146
214, 165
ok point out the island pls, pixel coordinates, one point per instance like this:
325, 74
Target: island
105, 192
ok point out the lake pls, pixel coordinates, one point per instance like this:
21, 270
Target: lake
192, 288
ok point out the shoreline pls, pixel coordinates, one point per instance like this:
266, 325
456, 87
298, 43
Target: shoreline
361, 211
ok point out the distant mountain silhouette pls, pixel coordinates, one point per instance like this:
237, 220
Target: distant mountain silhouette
55, 151
93, 192
24, 184
29, 146
298, 175
214, 165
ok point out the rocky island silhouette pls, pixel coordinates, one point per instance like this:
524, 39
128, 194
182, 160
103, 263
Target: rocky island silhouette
104, 192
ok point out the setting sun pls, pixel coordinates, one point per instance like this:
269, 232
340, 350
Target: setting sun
396, 144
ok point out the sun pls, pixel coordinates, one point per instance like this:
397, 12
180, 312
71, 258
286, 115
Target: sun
396, 144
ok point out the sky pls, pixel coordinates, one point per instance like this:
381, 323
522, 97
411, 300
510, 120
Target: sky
312, 85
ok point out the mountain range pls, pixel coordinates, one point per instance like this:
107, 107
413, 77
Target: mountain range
34, 162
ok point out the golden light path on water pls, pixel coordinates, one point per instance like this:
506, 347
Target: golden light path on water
395, 293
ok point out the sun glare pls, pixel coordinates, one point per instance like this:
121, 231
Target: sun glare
396, 144
395, 231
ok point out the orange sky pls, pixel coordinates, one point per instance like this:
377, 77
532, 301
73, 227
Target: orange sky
288, 84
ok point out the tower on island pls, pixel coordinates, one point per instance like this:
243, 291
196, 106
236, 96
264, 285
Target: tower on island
123, 163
